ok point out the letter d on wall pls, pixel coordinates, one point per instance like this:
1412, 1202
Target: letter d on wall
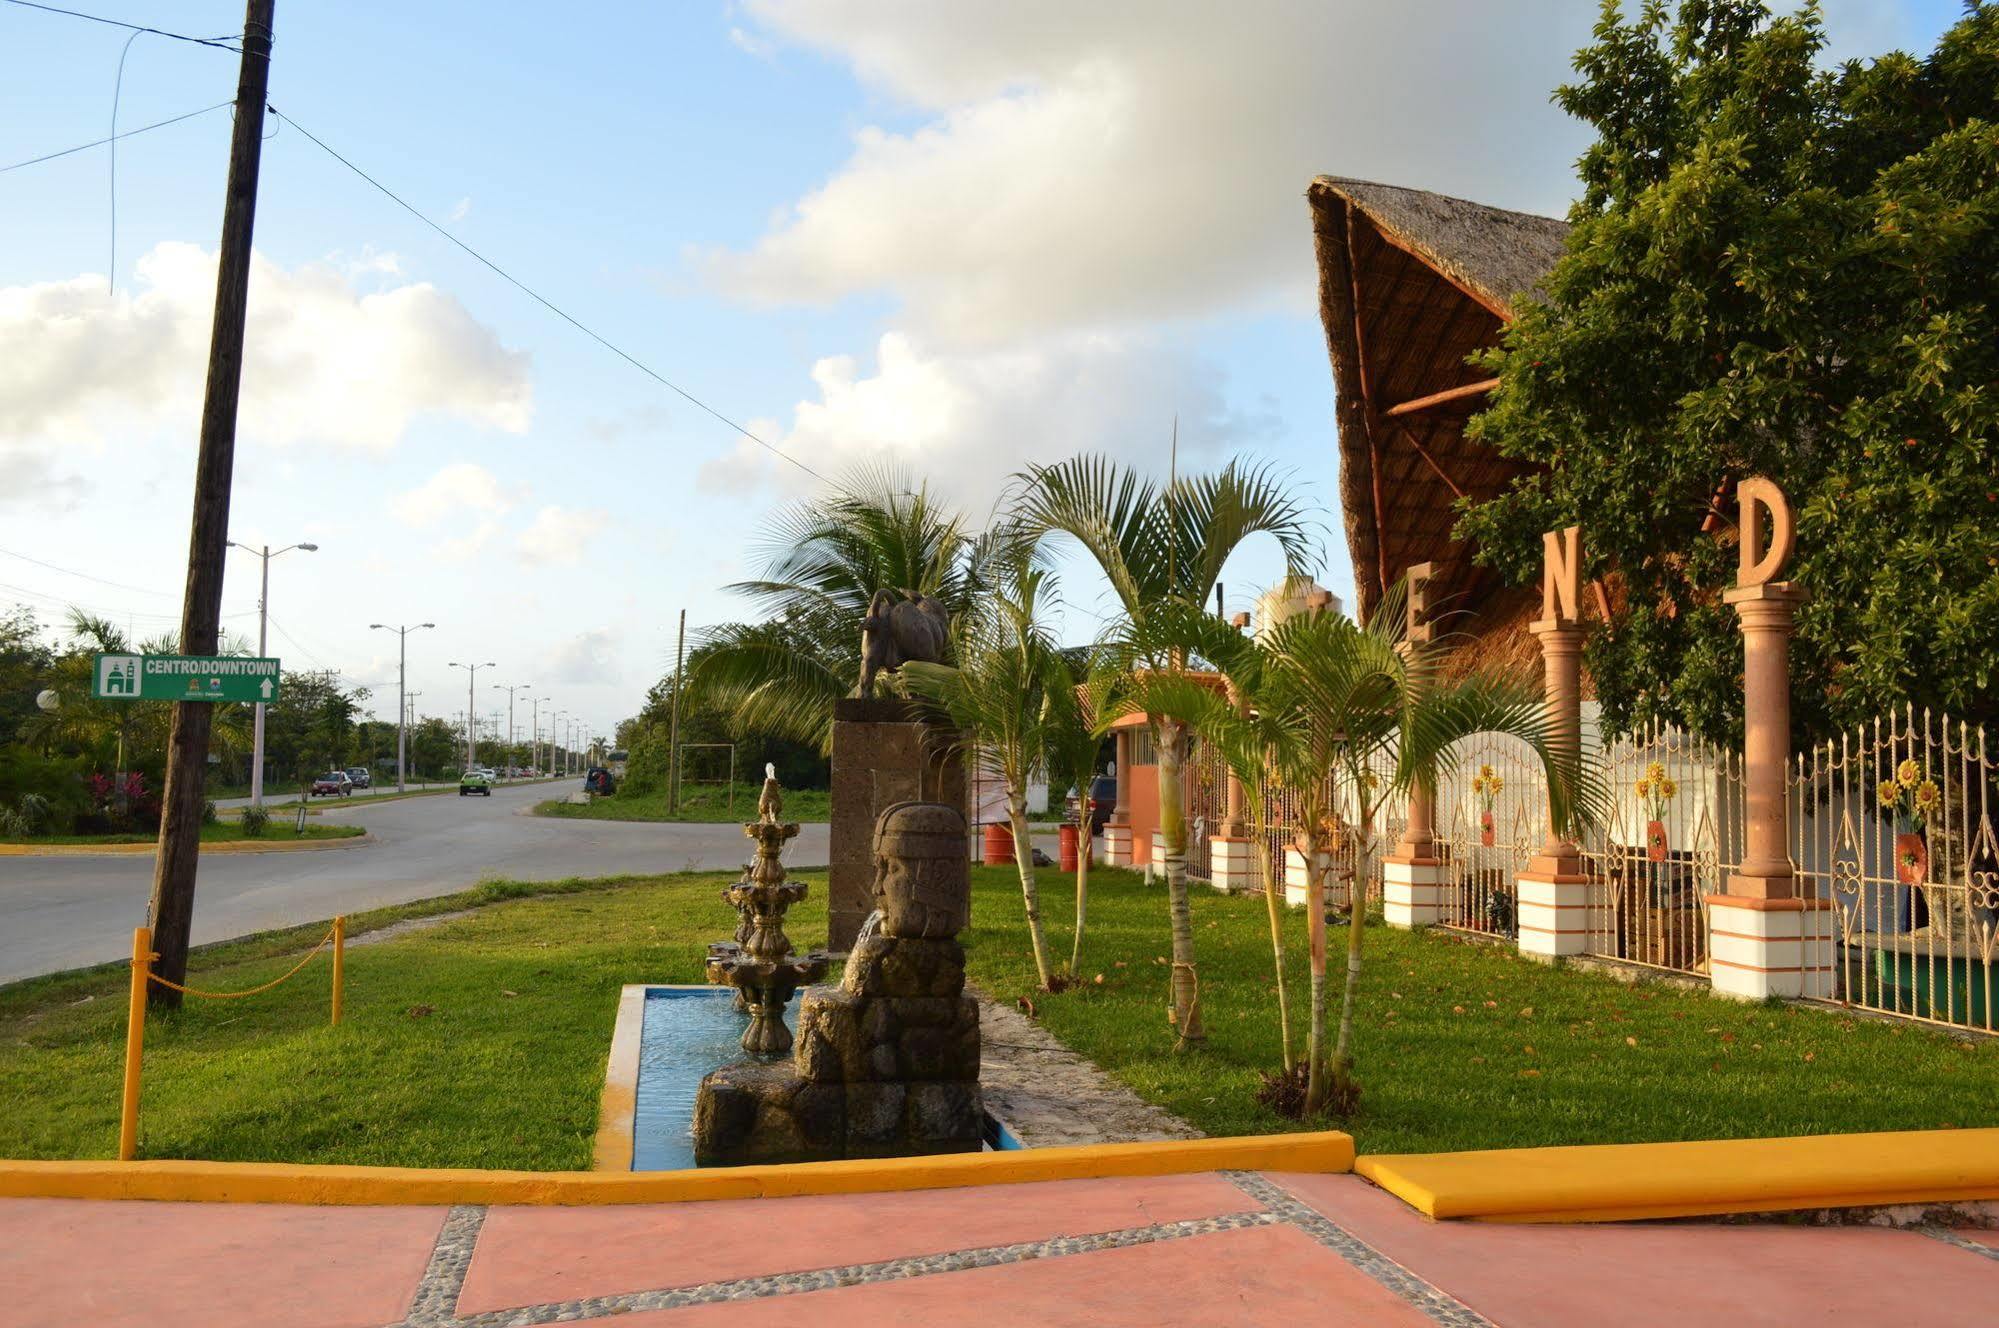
1760, 565
1562, 575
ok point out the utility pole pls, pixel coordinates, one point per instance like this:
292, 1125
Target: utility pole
409, 718
471, 708
402, 675
534, 730
510, 690
171, 912
263, 623
673, 733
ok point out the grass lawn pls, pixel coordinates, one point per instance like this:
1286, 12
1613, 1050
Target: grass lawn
227, 831
481, 1041
696, 804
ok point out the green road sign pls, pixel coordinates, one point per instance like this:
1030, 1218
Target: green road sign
184, 678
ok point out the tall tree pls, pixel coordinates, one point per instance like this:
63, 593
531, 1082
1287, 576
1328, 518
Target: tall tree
1162, 551
1782, 269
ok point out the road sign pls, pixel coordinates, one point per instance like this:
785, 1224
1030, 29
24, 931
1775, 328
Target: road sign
184, 678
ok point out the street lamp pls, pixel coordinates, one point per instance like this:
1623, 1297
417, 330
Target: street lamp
555, 742
509, 690
472, 708
402, 696
266, 553
534, 729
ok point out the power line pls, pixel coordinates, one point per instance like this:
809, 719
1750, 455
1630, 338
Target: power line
546, 303
85, 147
102, 581
219, 43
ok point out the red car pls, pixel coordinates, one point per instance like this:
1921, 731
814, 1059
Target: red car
333, 785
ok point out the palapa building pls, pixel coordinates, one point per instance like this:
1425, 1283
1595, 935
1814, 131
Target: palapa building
1410, 284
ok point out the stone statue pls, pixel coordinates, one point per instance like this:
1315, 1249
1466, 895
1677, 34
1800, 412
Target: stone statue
923, 883
770, 803
895, 632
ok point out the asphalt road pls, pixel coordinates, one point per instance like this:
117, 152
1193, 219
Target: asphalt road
59, 913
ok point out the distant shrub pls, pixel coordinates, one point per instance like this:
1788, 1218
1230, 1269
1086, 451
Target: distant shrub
209, 816
255, 821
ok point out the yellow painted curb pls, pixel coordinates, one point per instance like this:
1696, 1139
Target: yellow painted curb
227, 846
1625, 1182
271, 1182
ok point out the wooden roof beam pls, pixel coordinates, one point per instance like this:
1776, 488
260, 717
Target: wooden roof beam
1442, 398
1424, 452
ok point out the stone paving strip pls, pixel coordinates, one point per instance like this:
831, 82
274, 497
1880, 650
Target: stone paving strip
1051, 1097
444, 1278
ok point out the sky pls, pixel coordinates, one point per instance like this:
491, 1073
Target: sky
958, 237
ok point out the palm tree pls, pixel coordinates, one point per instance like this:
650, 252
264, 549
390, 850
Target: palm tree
997, 696
822, 560
1162, 551
1356, 716
1073, 697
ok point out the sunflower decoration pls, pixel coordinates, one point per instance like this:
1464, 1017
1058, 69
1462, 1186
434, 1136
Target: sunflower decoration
1912, 799
1487, 784
1656, 789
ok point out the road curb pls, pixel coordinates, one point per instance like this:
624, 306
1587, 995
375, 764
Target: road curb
140, 850
270, 1182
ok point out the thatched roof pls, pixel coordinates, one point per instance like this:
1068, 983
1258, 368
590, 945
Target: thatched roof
1410, 283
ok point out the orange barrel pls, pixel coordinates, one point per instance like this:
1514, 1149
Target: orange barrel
1067, 836
999, 844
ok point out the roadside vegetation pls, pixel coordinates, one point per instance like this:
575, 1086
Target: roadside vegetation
232, 831
704, 804
1470, 1046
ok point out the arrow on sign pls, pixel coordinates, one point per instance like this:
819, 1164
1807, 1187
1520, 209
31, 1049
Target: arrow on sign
265, 688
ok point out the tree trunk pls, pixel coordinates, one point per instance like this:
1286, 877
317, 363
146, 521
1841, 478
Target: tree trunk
1030, 893
1173, 830
1356, 929
1276, 911
1315, 923
1082, 888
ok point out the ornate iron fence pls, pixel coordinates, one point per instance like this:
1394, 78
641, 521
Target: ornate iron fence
1672, 836
1893, 824
1491, 815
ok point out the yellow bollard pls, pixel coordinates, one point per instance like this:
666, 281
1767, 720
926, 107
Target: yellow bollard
339, 963
135, 1039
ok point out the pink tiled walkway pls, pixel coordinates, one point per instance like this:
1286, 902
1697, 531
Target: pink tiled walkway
1209, 1249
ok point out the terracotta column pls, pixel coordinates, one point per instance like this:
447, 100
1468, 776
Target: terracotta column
1553, 891
1117, 831
1412, 879
1764, 940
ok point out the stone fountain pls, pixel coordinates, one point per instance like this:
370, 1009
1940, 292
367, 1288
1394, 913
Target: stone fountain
760, 963
887, 1062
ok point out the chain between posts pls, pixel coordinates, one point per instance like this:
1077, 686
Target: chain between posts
143, 956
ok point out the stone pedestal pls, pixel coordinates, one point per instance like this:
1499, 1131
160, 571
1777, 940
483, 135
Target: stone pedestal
1412, 891
882, 755
1232, 865
1758, 948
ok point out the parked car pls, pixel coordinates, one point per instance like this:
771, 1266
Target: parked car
359, 774
1103, 799
598, 780
333, 784
475, 781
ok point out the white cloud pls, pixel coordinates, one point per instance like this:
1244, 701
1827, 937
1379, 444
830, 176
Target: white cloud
560, 535
1087, 166
750, 44
323, 362
457, 487
968, 419
459, 210
584, 658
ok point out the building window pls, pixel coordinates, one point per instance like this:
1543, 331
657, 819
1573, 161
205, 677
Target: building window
1141, 746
